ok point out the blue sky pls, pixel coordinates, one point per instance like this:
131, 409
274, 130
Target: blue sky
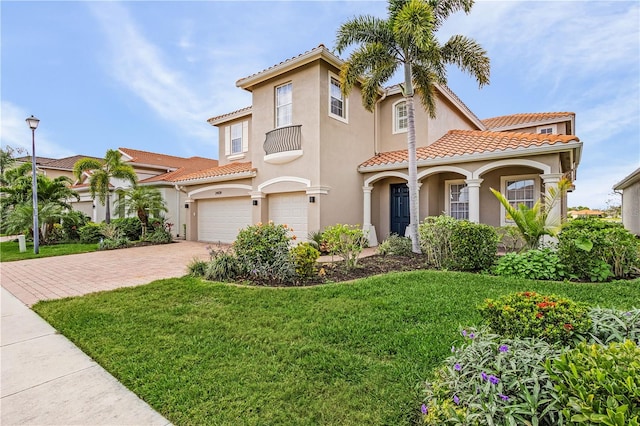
147, 75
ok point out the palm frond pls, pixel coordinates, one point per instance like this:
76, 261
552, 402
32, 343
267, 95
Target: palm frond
442, 9
469, 56
362, 30
413, 26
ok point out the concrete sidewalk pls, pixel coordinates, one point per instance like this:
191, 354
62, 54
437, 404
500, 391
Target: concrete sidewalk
46, 380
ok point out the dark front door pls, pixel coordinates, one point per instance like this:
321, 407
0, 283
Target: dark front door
399, 208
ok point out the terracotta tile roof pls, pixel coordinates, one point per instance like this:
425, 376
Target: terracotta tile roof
457, 143
229, 114
524, 118
65, 163
155, 159
220, 171
192, 165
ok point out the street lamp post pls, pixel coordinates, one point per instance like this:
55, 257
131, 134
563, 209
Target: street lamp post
33, 124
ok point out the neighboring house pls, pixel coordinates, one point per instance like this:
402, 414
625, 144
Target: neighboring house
55, 167
153, 169
630, 187
304, 155
585, 213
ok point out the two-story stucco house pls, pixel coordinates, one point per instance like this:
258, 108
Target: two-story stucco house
304, 155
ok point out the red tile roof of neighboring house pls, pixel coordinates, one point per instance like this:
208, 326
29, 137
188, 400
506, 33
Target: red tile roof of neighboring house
65, 163
220, 171
586, 213
458, 143
524, 118
155, 159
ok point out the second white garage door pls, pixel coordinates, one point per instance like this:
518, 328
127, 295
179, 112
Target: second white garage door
290, 209
221, 219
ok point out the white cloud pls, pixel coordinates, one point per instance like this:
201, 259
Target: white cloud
15, 132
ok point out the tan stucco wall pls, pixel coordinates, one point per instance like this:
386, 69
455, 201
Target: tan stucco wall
631, 208
52, 174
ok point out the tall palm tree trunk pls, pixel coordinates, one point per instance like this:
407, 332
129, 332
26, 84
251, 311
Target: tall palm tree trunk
413, 162
107, 213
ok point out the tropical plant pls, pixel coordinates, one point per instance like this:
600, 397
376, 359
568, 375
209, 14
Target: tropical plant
101, 173
346, 241
142, 201
539, 220
407, 38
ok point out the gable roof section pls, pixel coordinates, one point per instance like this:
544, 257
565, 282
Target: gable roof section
65, 163
473, 145
321, 51
628, 181
153, 159
514, 121
227, 172
230, 116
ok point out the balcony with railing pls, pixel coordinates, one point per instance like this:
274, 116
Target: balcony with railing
283, 145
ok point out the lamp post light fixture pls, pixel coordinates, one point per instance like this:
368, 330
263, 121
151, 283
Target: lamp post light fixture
33, 124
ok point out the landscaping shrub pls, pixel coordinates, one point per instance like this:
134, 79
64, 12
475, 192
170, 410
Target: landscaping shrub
457, 244
395, 245
596, 250
528, 314
345, 241
158, 236
305, 258
612, 325
197, 268
510, 239
223, 267
493, 381
317, 240
542, 264
56, 234
72, 221
263, 251
131, 227
113, 243
91, 232
599, 384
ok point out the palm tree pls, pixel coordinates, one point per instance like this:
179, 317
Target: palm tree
536, 221
142, 200
407, 38
101, 174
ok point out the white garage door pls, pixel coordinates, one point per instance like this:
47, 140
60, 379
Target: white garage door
290, 209
221, 219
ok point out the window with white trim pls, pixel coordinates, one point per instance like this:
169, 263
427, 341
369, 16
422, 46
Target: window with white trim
236, 138
400, 117
519, 190
547, 130
457, 199
337, 102
284, 105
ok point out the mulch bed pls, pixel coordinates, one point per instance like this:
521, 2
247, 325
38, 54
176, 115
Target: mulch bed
372, 265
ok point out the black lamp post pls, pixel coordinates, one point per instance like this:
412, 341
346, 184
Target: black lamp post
33, 124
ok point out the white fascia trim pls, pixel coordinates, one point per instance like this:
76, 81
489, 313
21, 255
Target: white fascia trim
234, 176
303, 181
212, 187
231, 116
628, 181
124, 154
166, 169
534, 124
310, 56
468, 158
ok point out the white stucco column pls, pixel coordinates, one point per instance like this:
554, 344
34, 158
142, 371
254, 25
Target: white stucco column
367, 227
473, 187
551, 181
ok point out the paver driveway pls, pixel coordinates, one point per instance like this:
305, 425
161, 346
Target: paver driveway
33, 280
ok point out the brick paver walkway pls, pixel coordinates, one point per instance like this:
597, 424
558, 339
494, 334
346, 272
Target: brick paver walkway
63, 276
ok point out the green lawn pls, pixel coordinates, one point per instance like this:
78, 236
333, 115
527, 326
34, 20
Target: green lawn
10, 251
340, 354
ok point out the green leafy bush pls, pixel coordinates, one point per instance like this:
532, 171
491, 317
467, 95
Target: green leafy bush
492, 380
91, 232
158, 236
596, 250
543, 264
56, 234
305, 257
72, 221
345, 241
529, 314
131, 227
263, 252
612, 325
113, 243
457, 244
510, 239
395, 245
197, 267
599, 384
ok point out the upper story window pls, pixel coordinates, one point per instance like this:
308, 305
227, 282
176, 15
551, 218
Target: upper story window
400, 117
547, 130
236, 138
337, 102
284, 105
458, 203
